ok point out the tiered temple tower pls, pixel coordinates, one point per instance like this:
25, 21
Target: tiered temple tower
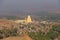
28, 19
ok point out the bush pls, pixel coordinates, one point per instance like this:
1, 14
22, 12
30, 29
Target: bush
7, 32
14, 32
38, 36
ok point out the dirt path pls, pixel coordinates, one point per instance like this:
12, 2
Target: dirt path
25, 37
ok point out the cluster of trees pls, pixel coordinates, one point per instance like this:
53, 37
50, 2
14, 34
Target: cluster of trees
7, 33
51, 35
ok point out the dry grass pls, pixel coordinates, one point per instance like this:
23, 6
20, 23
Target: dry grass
25, 37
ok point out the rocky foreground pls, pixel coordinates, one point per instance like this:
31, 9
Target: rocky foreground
45, 30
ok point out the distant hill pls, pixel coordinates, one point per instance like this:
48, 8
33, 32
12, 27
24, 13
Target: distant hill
44, 15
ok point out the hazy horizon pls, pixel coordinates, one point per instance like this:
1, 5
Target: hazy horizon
24, 6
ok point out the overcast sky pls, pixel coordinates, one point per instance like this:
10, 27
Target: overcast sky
28, 5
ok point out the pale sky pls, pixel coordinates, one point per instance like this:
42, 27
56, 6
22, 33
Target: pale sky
28, 5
